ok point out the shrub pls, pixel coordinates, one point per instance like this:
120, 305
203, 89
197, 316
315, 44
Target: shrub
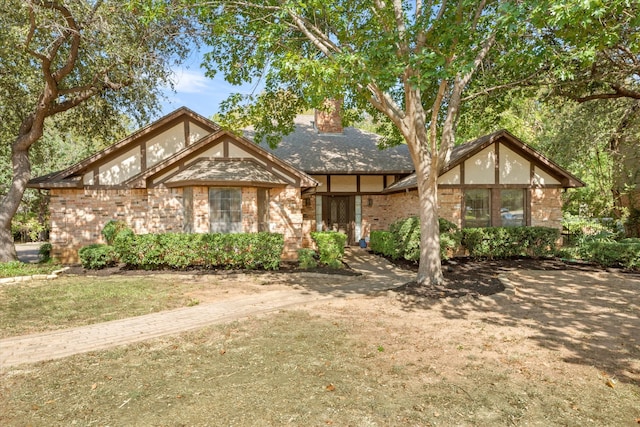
307, 258
407, 236
45, 252
111, 230
449, 243
446, 226
610, 254
403, 239
330, 247
384, 243
177, 250
503, 242
97, 256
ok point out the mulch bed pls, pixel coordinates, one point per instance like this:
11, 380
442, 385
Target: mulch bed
78, 270
475, 277
463, 276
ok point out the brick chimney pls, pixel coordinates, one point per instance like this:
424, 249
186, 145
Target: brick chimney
329, 120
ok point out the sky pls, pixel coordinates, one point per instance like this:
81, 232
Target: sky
196, 91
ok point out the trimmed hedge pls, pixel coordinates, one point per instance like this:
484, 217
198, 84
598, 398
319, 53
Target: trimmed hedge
384, 243
403, 239
112, 228
504, 242
214, 250
97, 256
330, 247
307, 258
612, 254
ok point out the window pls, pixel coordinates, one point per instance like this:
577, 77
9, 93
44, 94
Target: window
225, 210
495, 207
263, 209
512, 208
187, 205
477, 204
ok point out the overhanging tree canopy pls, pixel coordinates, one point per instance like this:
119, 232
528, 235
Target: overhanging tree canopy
405, 62
93, 57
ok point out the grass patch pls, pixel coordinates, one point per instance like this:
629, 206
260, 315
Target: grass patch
292, 368
75, 301
17, 268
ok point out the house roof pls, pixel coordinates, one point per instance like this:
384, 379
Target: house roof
279, 172
353, 151
464, 151
225, 172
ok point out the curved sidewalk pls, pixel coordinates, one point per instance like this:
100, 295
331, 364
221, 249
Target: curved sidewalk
377, 275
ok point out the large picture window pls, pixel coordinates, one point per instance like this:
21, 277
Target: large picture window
477, 203
512, 208
225, 210
495, 207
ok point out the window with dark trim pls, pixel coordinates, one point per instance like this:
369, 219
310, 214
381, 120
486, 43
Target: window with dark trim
477, 205
187, 204
512, 212
263, 209
225, 210
495, 207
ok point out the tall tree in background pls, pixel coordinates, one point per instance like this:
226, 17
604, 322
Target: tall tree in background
584, 111
93, 58
407, 63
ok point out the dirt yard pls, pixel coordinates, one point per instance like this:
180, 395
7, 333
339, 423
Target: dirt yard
555, 347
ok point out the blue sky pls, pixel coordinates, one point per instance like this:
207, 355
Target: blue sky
198, 92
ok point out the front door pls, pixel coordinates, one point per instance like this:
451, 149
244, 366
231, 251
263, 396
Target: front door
338, 214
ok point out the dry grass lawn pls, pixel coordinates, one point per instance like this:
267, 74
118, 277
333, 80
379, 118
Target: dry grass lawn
564, 349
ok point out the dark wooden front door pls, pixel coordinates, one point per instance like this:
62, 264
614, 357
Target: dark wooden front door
338, 214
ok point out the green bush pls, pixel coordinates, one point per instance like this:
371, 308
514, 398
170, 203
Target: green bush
407, 236
446, 226
177, 250
579, 228
307, 258
504, 242
330, 247
612, 254
630, 240
111, 230
44, 252
97, 256
384, 243
403, 239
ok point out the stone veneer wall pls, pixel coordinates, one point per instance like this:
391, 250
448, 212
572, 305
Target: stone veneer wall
78, 215
308, 221
285, 217
390, 208
546, 207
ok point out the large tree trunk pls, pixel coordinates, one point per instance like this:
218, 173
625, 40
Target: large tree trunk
11, 201
430, 268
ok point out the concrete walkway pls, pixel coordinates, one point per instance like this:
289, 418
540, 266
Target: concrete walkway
377, 275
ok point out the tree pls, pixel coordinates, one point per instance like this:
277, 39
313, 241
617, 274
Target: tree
407, 63
89, 57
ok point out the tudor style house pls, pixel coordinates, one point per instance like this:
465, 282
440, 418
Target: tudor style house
185, 174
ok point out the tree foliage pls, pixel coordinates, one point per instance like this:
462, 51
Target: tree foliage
90, 57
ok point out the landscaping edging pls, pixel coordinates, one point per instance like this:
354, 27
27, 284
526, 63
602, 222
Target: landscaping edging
19, 279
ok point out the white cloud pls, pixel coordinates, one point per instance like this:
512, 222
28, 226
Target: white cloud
189, 81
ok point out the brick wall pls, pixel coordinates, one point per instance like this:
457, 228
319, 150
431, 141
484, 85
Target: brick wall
285, 217
78, 215
546, 207
387, 209
329, 120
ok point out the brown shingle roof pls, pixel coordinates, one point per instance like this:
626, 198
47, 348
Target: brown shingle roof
225, 172
353, 151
